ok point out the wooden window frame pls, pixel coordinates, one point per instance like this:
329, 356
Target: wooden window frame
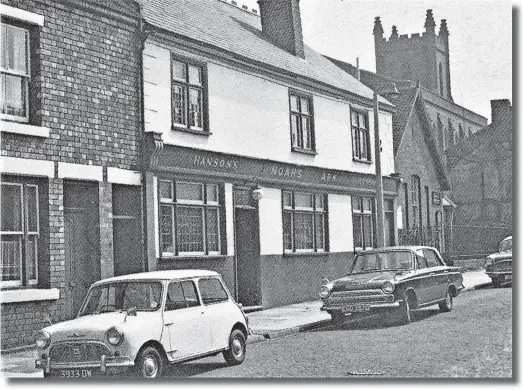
205, 205
301, 115
188, 62
356, 131
361, 212
26, 76
25, 235
315, 212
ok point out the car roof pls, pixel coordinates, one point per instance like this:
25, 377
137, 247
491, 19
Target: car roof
161, 275
507, 238
397, 248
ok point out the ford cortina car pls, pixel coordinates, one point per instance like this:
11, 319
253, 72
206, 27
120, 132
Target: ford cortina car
142, 322
499, 265
393, 281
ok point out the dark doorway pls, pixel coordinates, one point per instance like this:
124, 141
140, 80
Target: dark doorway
389, 222
82, 241
127, 230
247, 229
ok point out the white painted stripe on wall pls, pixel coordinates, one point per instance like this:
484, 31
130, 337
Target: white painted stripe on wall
340, 223
124, 176
29, 295
229, 217
156, 220
26, 16
80, 171
271, 224
25, 129
24, 166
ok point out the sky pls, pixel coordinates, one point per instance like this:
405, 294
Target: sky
480, 38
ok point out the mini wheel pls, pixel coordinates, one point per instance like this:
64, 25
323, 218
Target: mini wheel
149, 363
237, 347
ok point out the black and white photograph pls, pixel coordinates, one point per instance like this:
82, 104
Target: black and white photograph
257, 190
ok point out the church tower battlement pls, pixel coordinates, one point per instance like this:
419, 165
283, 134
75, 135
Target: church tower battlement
418, 57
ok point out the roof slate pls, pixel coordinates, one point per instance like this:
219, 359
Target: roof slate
229, 28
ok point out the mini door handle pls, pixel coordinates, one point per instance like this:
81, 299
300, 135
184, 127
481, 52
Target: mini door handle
169, 324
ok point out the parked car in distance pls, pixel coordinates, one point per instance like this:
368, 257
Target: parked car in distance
393, 281
499, 265
142, 322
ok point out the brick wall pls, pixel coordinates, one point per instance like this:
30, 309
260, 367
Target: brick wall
87, 86
85, 89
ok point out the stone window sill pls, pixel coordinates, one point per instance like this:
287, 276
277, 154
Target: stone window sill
29, 295
24, 129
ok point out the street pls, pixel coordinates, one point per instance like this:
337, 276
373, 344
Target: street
474, 340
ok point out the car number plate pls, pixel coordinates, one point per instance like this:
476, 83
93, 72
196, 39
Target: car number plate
508, 277
79, 373
356, 308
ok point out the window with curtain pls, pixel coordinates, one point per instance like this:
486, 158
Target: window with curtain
15, 73
20, 231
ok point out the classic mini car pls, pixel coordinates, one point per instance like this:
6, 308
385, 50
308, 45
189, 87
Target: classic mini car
393, 281
499, 265
139, 323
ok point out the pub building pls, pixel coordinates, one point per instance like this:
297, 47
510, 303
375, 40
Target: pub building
258, 158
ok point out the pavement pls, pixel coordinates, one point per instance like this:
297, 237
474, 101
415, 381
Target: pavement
265, 325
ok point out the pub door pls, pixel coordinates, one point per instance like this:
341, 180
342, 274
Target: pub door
247, 233
81, 242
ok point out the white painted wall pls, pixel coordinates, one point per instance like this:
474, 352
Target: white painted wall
271, 224
249, 115
229, 215
340, 223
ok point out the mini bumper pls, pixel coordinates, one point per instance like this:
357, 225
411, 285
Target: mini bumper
105, 364
370, 305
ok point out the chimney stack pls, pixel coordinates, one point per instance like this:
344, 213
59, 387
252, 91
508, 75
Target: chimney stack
501, 112
281, 22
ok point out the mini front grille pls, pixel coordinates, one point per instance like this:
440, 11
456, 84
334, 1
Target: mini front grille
78, 352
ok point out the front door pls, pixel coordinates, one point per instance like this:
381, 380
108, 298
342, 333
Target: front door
127, 230
81, 242
248, 272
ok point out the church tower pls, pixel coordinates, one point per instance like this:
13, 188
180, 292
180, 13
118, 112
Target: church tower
423, 58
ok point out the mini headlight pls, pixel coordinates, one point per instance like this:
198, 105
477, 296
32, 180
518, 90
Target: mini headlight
387, 287
325, 291
114, 336
43, 339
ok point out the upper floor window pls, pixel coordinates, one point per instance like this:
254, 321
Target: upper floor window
360, 136
20, 233
302, 122
304, 222
189, 218
188, 96
363, 222
15, 73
